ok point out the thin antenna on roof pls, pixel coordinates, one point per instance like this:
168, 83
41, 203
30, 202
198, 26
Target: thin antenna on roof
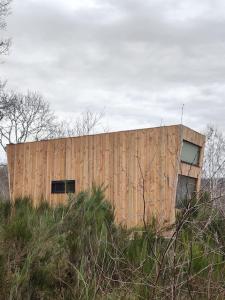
182, 113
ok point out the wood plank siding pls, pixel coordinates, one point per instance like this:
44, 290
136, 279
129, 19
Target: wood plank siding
135, 166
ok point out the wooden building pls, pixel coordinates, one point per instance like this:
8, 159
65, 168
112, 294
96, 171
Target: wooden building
146, 172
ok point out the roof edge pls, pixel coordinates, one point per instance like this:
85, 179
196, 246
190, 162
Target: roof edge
110, 132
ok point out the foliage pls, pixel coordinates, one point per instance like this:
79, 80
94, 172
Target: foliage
78, 252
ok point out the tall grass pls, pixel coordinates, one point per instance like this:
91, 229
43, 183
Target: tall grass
77, 252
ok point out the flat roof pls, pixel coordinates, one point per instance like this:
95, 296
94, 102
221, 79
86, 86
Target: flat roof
110, 132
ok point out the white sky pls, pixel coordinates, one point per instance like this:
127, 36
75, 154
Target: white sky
139, 60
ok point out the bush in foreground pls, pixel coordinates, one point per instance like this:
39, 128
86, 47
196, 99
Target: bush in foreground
77, 252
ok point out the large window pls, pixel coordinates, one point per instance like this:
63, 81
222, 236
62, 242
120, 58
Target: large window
186, 188
63, 186
190, 153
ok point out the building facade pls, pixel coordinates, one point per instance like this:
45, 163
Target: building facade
145, 172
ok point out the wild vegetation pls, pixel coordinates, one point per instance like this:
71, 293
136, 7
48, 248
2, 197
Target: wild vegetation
78, 252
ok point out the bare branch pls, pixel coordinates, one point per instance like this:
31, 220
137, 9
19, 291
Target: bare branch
4, 11
86, 124
24, 117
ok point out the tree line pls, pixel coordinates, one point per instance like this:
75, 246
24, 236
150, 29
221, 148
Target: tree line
25, 117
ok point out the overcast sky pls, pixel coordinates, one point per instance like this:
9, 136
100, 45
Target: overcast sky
139, 60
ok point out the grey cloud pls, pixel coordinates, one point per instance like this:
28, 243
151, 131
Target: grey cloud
141, 60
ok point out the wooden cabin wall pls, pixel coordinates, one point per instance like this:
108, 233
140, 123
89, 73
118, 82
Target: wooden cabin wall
135, 167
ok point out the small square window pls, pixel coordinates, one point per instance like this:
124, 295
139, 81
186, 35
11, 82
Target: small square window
70, 186
58, 187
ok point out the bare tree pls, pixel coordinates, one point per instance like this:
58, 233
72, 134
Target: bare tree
85, 124
214, 168
4, 10
214, 158
25, 117
4, 47
214, 152
4, 100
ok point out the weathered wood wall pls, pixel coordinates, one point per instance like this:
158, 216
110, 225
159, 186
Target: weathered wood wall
134, 166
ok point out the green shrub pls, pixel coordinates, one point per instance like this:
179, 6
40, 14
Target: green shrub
77, 251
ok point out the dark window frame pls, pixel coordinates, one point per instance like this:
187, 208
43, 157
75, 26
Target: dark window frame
68, 188
55, 189
189, 196
188, 163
